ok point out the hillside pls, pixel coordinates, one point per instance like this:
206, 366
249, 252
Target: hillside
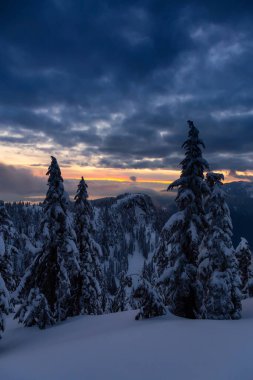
127, 227
115, 346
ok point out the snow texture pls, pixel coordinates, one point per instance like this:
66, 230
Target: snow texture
115, 346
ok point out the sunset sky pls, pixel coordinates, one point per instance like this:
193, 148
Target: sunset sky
107, 88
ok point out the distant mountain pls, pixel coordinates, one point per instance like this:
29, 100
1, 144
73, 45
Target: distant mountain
240, 201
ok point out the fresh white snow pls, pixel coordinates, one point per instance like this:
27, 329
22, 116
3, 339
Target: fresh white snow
116, 347
135, 262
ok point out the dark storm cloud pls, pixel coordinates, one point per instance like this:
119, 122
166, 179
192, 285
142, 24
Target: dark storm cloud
123, 77
19, 182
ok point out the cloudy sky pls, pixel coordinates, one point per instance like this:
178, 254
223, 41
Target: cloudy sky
107, 87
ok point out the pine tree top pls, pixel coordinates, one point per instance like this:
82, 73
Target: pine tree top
56, 192
193, 165
54, 171
83, 206
193, 136
242, 246
82, 193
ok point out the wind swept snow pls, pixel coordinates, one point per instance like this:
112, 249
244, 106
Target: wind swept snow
116, 347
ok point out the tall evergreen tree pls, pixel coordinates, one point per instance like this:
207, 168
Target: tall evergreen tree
90, 296
8, 251
178, 249
244, 257
55, 268
218, 281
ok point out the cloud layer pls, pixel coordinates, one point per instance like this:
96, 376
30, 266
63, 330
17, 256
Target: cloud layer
111, 84
17, 183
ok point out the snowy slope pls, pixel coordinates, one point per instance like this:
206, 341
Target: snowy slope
116, 347
126, 227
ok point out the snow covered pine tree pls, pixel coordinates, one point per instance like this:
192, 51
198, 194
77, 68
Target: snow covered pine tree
35, 311
53, 272
90, 295
243, 255
147, 295
218, 280
178, 248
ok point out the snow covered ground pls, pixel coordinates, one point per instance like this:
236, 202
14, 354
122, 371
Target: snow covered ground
116, 347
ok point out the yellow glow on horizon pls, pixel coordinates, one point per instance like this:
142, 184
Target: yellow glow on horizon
26, 158
246, 173
122, 180
112, 174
